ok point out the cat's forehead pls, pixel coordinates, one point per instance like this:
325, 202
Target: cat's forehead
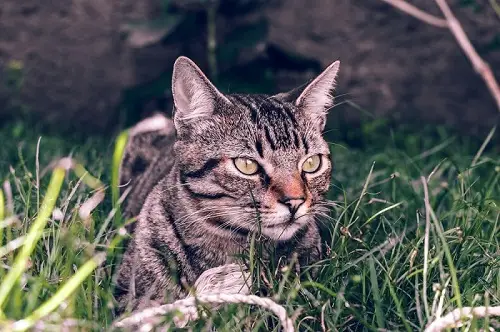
263, 107
274, 123
271, 125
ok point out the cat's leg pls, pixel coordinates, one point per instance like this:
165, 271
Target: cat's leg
156, 268
146, 160
144, 280
151, 273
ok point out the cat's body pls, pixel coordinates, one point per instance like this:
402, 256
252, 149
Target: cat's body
239, 165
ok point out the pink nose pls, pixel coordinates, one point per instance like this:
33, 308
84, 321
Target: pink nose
293, 203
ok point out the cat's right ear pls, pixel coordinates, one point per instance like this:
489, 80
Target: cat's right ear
315, 99
195, 97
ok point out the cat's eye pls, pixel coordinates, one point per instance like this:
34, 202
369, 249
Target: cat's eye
312, 164
246, 166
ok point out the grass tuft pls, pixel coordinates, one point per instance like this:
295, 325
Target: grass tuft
413, 233
32, 237
120, 145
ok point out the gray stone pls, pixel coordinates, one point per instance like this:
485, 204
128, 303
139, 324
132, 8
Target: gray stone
75, 62
392, 63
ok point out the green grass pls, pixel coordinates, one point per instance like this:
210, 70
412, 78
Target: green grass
392, 264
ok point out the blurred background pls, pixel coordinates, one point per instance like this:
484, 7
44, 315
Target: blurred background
92, 66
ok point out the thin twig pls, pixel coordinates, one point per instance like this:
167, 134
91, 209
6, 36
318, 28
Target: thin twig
450, 21
417, 302
483, 146
426, 246
11, 246
9, 202
480, 66
410, 9
454, 318
37, 171
90, 204
323, 325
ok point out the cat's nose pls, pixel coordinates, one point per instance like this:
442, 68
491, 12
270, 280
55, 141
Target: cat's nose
293, 203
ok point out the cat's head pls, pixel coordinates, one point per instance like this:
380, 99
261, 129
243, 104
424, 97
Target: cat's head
253, 162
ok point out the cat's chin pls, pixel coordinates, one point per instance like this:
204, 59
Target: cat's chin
282, 226
282, 232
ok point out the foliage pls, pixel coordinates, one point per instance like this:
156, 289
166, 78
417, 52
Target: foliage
379, 255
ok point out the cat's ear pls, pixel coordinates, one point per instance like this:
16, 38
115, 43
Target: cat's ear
315, 98
194, 95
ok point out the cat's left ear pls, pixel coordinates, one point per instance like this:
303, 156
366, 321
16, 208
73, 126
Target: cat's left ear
316, 98
195, 97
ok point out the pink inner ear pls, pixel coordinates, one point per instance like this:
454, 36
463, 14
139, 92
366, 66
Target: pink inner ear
194, 94
181, 97
317, 96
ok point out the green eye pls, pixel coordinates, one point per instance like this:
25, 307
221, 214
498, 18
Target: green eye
246, 166
312, 164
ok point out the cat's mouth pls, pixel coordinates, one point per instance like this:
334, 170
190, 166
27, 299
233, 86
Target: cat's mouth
287, 227
290, 221
281, 224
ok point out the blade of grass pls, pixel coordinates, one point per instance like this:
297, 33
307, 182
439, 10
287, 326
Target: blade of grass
86, 177
120, 145
363, 192
486, 317
2, 207
37, 172
426, 249
9, 204
62, 294
399, 307
380, 212
417, 303
483, 146
494, 233
11, 246
434, 150
2, 214
110, 216
319, 286
379, 313
449, 258
33, 235
286, 276
447, 252
442, 293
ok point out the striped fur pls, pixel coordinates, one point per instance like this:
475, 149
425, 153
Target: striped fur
202, 211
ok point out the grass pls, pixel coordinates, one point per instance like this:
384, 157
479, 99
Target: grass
395, 260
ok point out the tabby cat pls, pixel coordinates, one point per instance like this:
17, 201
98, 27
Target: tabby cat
226, 167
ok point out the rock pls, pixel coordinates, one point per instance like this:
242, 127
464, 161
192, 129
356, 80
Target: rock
391, 63
75, 62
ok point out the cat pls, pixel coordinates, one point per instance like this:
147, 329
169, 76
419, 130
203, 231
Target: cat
224, 168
